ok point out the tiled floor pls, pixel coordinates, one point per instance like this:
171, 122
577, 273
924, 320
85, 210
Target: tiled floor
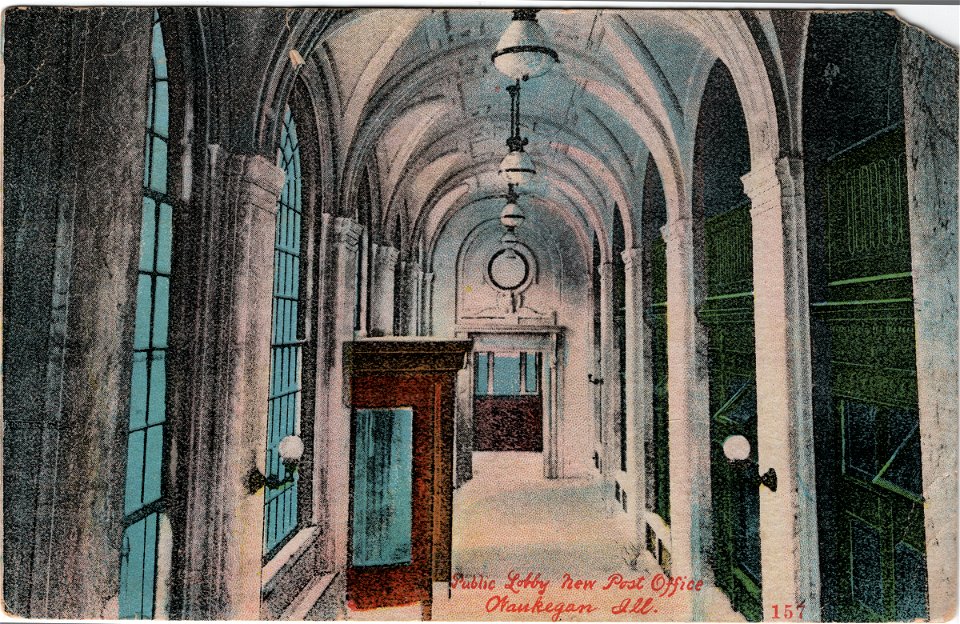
509, 520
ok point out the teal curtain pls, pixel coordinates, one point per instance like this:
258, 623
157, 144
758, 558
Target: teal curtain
382, 486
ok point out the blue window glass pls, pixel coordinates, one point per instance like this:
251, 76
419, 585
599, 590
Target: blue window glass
531, 372
481, 373
280, 515
506, 375
143, 496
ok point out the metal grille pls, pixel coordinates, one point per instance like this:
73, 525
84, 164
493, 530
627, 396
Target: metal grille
868, 234
620, 331
866, 317
727, 313
730, 250
143, 498
283, 416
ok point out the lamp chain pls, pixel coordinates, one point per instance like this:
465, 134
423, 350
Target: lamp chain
515, 142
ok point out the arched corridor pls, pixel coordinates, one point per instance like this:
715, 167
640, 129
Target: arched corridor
286, 336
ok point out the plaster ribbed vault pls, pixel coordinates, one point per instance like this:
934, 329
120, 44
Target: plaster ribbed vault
417, 95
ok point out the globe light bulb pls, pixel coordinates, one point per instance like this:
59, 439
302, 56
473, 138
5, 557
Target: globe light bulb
522, 51
736, 448
290, 449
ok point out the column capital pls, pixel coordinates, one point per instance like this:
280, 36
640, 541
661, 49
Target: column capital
385, 257
630, 257
253, 180
790, 173
677, 232
347, 232
262, 179
605, 271
771, 182
761, 181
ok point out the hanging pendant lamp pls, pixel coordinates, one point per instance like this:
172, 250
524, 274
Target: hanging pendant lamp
522, 52
517, 166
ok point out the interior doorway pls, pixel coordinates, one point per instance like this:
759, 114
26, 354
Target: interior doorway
511, 397
507, 401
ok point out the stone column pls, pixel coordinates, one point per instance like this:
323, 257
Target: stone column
414, 290
426, 316
324, 328
381, 288
552, 462
788, 517
610, 390
689, 408
401, 300
72, 202
463, 433
558, 363
364, 268
343, 290
217, 404
930, 104
639, 391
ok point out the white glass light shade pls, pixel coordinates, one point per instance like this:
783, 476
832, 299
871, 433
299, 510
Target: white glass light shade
736, 448
517, 168
511, 216
521, 51
291, 449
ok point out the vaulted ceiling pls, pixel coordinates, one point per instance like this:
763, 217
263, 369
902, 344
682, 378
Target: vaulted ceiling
420, 101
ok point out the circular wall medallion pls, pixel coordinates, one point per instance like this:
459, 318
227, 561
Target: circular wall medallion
508, 269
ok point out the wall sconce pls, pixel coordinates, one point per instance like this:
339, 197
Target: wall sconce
291, 451
594, 380
737, 450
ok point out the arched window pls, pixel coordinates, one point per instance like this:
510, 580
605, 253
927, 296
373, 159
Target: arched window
280, 516
722, 217
399, 286
144, 497
620, 329
597, 351
655, 303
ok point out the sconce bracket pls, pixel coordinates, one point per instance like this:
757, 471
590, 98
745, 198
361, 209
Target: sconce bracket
749, 469
256, 480
769, 479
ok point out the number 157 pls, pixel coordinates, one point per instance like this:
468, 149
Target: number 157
786, 611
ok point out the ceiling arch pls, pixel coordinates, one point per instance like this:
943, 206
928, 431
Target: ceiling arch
447, 134
727, 34
487, 182
569, 202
